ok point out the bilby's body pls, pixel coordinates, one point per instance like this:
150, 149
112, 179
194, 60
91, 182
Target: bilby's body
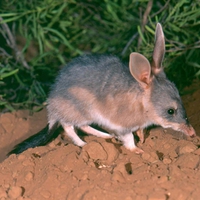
100, 89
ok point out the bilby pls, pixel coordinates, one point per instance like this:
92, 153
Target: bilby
100, 89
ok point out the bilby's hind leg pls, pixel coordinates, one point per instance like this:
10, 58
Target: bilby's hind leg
92, 131
69, 130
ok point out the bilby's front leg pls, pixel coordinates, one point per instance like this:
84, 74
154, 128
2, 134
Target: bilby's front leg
129, 143
140, 134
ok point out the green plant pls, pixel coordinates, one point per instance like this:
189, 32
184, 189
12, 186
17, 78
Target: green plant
37, 37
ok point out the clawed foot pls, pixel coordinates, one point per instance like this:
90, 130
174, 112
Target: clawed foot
137, 150
140, 134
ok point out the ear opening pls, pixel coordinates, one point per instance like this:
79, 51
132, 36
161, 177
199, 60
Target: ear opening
140, 68
159, 50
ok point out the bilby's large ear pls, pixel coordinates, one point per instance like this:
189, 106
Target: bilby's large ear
140, 68
159, 50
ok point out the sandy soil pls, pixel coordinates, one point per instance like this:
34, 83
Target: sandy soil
168, 170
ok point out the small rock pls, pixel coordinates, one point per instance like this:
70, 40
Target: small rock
84, 177
112, 152
167, 146
173, 154
121, 168
3, 193
152, 157
15, 192
52, 144
21, 157
187, 149
167, 161
91, 163
84, 155
95, 151
29, 176
28, 163
188, 160
136, 160
146, 156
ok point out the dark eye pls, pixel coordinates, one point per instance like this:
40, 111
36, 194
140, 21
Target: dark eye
171, 111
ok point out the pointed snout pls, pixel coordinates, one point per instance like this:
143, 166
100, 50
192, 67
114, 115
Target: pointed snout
187, 129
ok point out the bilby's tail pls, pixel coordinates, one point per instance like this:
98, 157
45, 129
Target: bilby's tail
40, 139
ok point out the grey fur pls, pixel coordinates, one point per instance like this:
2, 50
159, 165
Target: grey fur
101, 75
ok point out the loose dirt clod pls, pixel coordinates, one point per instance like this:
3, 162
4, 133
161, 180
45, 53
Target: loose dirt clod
3, 193
188, 148
15, 191
95, 151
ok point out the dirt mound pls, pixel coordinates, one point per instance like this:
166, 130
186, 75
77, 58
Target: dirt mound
103, 169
